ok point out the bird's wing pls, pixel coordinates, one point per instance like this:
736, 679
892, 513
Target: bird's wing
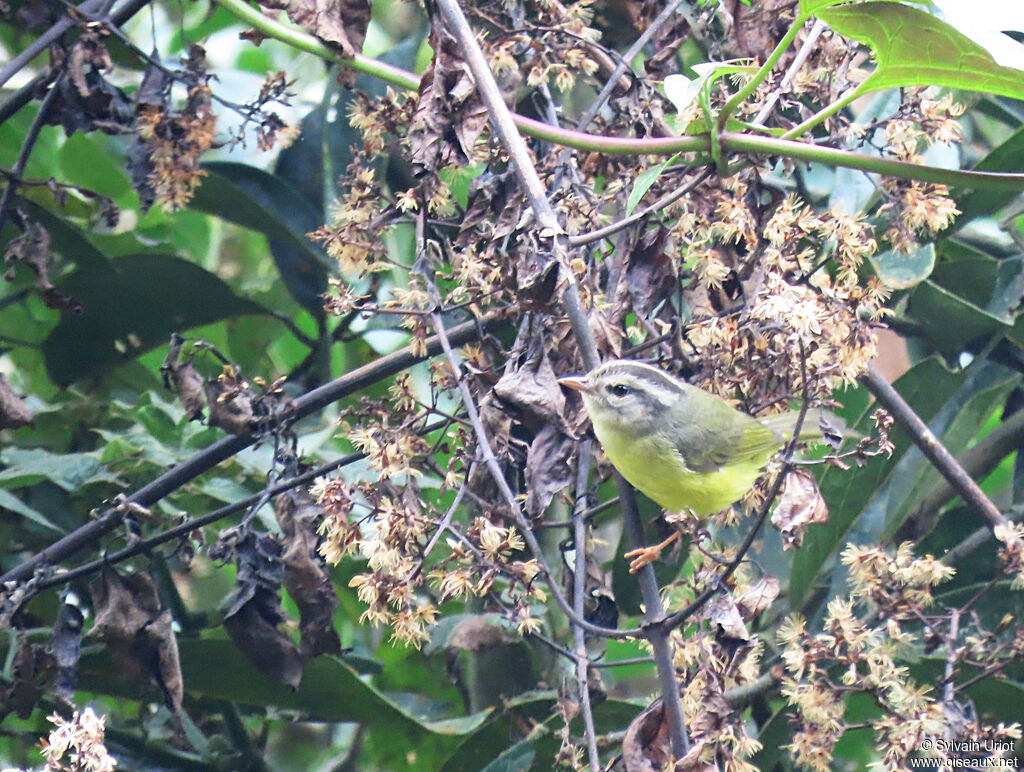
724, 436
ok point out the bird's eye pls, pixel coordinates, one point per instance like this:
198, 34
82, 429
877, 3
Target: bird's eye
618, 389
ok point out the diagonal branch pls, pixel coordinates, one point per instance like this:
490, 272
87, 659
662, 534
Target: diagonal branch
209, 457
932, 449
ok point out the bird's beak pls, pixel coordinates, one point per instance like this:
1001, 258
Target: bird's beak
575, 382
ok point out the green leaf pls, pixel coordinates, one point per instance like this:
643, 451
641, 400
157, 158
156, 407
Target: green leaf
950, 322
914, 48
331, 690
518, 758
644, 181
70, 471
1008, 157
900, 271
267, 204
927, 386
132, 308
11, 502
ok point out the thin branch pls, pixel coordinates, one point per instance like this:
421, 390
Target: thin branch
41, 43
932, 449
209, 457
579, 587
491, 462
787, 80
657, 206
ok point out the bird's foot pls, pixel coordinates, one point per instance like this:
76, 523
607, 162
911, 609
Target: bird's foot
645, 555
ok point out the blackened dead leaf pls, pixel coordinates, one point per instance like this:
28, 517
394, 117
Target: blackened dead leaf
450, 115
230, 408
342, 22
89, 53
493, 209
649, 274
13, 412
548, 468
800, 505
137, 631
305, 573
65, 646
102, 106
31, 249
254, 609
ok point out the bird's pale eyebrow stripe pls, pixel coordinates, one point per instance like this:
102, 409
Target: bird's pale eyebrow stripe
644, 372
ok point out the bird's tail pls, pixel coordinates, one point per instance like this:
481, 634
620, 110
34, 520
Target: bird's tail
819, 426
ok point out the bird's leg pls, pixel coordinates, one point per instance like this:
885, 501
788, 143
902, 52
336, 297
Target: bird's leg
644, 555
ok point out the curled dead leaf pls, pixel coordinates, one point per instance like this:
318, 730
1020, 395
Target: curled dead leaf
757, 598
137, 631
800, 505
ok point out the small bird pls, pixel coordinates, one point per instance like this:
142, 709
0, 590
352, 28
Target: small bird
683, 447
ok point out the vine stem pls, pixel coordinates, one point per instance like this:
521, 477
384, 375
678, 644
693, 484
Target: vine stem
731, 142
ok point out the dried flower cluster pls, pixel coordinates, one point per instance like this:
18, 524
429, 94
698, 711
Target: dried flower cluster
862, 653
76, 744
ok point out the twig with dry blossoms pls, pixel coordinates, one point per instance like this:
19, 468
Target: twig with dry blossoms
491, 462
932, 449
787, 80
657, 206
501, 119
227, 447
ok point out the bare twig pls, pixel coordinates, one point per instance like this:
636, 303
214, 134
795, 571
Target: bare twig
657, 206
932, 449
579, 587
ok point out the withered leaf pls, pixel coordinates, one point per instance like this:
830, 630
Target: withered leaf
800, 505
548, 468
725, 618
137, 631
342, 22
646, 747
649, 274
305, 573
23, 692
183, 377
756, 599
103, 106
253, 611
31, 249
450, 115
13, 412
230, 409
530, 385
493, 209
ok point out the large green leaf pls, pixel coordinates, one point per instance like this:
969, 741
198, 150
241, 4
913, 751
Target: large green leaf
914, 48
331, 690
131, 308
950, 322
927, 386
267, 204
1008, 157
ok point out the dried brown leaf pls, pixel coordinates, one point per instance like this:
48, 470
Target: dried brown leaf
305, 573
342, 22
479, 632
800, 505
646, 748
548, 468
450, 115
137, 631
529, 384
230, 408
756, 599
